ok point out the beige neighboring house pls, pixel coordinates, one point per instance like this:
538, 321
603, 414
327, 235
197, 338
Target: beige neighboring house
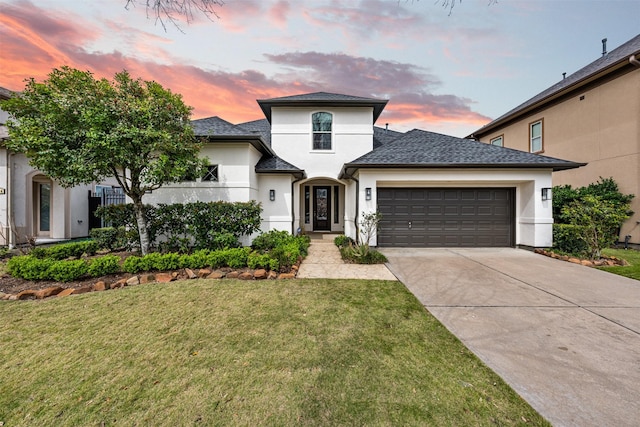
591, 116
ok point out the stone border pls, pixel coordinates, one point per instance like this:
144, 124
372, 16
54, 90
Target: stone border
159, 277
604, 261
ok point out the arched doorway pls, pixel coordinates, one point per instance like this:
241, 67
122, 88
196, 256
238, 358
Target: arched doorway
322, 207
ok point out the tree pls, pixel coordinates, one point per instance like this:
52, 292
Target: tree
173, 10
77, 129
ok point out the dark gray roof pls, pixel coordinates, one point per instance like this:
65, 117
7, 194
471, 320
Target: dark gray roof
422, 149
615, 59
262, 126
276, 165
219, 130
5, 93
383, 135
323, 99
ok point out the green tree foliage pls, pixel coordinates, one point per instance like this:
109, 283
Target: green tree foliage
78, 129
599, 220
588, 219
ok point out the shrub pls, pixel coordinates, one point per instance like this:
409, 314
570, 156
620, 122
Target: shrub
66, 271
134, 264
567, 239
104, 265
236, 257
66, 250
224, 241
271, 239
217, 259
257, 260
29, 267
110, 238
342, 241
198, 259
362, 254
286, 255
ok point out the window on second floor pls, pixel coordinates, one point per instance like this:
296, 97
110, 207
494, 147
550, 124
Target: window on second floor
535, 137
322, 130
498, 140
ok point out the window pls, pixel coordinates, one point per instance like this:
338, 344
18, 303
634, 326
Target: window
336, 207
535, 137
322, 130
498, 141
307, 195
212, 174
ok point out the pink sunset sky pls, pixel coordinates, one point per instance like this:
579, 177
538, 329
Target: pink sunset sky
443, 73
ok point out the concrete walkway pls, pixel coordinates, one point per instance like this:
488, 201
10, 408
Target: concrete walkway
563, 336
324, 262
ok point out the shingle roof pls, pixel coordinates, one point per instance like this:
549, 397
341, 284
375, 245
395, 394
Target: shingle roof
215, 126
321, 99
422, 149
5, 93
616, 58
276, 165
262, 126
381, 136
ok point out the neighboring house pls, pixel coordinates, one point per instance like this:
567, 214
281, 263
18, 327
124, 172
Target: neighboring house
317, 162
591, 116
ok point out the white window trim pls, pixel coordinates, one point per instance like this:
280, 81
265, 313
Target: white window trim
493, 140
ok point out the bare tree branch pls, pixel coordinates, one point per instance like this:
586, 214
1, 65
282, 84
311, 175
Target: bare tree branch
174, 11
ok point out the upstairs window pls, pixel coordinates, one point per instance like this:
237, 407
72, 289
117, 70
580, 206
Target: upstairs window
535, 137
498, 141
322, 130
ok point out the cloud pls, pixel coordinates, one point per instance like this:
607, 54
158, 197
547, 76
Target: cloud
35, 41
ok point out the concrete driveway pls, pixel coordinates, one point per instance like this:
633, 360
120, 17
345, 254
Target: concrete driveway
564, 336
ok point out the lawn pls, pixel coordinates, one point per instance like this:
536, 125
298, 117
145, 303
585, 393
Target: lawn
632, 257
299, 352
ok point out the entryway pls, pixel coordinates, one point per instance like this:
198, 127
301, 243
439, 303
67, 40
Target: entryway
323, 206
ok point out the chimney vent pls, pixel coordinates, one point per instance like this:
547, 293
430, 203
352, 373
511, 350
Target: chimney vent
564, 76
604, 47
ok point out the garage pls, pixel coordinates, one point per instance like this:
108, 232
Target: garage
446, 217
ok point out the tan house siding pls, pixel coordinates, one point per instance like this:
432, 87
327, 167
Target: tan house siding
598, 125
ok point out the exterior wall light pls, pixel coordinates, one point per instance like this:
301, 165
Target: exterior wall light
367, 193
546, 194
272, 195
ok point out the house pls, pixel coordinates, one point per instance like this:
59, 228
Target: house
317, 162
591, 116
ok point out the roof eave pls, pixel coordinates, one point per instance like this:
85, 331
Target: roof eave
255, 140
298, 174
621, 63
377, 105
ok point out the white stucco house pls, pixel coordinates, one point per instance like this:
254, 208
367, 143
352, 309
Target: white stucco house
317, 161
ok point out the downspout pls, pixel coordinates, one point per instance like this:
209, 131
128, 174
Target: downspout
10, 242
293, 207
355, 218
634, 61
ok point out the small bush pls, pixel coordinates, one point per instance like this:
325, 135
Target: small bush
67, 271
29, 267
104, 265
257, 260
66, 250
217, 259
134, 264
198, 259
224, 241
110, 238
567, 239
362, 254
342, 241
271, 239
236, 257
286, 255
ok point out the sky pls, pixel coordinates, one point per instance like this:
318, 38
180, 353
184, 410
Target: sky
442, 72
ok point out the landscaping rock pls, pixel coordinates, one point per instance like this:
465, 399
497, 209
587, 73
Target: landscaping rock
147, 278
204, 272
164, 277
26, 294
190, 273
66, 292
245, 276
83, 290
574, 260
3, 296
48, 292
132, 281
260, 274
232, 275
586, 263
12, 297
287, 276
100, 286
272, 275
215, 275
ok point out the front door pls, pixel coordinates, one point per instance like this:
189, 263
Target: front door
42, 208
322, 208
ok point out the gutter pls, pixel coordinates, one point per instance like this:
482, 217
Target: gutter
634, 61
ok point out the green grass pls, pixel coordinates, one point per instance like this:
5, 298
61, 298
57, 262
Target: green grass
280, 353
631, 256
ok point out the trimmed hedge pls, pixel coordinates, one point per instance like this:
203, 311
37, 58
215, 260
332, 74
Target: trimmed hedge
66, 250
567, 238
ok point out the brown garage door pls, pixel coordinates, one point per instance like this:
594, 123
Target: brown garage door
446, 217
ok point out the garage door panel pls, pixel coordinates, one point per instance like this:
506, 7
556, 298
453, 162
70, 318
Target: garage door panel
467, 217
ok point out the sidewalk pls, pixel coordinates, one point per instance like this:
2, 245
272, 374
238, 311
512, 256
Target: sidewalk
324, 262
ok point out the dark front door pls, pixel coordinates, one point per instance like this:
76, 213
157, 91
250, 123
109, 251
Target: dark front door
321, 208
